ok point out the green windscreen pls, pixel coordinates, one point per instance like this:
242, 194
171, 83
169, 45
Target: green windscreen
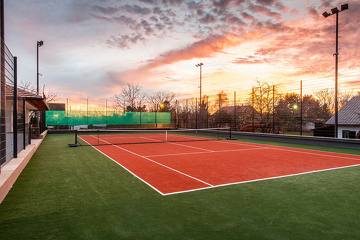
73, 118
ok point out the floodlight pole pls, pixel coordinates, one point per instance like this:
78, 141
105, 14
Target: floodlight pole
336, 77
38, 45
335, 11
200, 86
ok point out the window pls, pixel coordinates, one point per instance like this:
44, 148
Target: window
348, 134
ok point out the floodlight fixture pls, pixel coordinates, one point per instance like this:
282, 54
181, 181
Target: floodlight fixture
344, 7
40, 43
334, 10
326, 14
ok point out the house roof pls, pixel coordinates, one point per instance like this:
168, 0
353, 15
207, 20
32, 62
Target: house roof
37, 101
350, 114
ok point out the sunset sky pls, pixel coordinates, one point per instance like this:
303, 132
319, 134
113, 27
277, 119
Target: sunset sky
93, 47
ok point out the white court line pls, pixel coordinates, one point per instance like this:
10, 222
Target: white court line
142, 180
116, 137
170, 168
219, 151
306, 151
183, 145
262, 179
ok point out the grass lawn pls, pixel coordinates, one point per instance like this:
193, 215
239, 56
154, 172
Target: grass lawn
77, 193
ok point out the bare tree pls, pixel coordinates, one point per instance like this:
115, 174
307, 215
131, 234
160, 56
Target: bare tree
161, 101
344, 98
49, 95
326, 98
262, 98
131, 98
27, 86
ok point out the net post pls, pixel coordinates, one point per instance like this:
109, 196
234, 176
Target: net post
98, 136
230, 133
166, 136
76, 137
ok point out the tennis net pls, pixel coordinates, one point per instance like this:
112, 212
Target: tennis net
97, 137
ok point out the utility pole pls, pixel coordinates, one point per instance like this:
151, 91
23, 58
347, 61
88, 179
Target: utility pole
335, 11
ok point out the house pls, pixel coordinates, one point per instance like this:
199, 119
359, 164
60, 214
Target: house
349, 119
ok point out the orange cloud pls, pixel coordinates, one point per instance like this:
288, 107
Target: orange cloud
201, 49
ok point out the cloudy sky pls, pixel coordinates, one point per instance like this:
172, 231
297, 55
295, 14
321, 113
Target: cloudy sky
93, 47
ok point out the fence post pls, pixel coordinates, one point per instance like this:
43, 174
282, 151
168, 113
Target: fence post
235, 110
76, 137
67, 112
196, 113
156, 116
253, 108
87, 112
24, 123
15, 123
301, 109
176, 114
219, 106
273, 109
2, 88
140, 119
106, 113
207, 112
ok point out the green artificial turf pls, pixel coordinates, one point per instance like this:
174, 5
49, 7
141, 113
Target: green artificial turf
77, 193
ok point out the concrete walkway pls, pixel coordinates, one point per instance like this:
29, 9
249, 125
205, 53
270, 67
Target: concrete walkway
13, 168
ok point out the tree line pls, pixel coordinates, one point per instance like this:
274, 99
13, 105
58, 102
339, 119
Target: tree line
266, 107
132, 98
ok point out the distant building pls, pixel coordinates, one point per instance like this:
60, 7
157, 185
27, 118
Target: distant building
349, 119
57, 106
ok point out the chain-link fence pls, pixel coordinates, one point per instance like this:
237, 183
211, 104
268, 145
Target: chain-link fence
14, 129
95, 113
303, 109
265, 108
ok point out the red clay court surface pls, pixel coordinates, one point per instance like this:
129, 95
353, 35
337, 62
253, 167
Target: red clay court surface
179, 167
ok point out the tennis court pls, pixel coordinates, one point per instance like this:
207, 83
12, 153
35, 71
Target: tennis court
172, 162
